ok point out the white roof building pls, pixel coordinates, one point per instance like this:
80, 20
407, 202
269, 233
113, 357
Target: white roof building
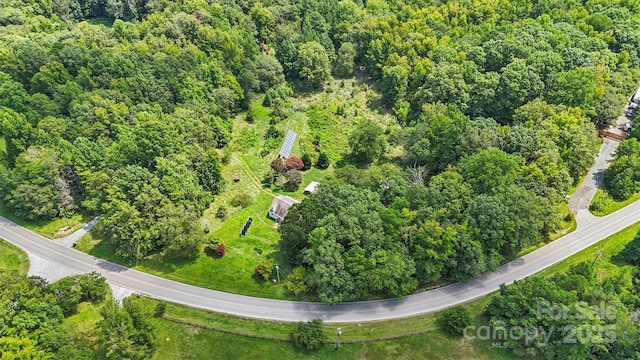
636, 97
280, 207
311, 188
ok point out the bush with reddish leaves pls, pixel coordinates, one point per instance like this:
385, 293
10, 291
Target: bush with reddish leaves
278, 166
294, 163
220, 250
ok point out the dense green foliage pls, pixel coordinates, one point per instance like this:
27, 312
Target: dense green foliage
572, 315
31, 319
494, 110
72, 290
455, 320
498, 109
125, 332
309, 335
622, 178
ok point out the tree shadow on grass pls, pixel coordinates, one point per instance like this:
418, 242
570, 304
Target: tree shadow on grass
165, 265
211, 252
350, 159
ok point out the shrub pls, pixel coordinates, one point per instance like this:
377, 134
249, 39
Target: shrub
278, 166
323, 161
226, 155
213, 242
160, 309
265, 270
241, 200
250, 118
67, 294
93, 286
455, 319
309, 335
273, 133
222, 212
220, 250
296, 281
306, 160
294, 179
269, 177
294, 163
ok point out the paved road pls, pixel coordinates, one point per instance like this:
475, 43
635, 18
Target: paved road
589, 232
580, 199
295, 311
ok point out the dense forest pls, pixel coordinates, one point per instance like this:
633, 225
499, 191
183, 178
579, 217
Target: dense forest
496, 107
125, 109
583, 313
33, 312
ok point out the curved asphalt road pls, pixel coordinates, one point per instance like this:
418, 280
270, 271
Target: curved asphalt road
587, 234
246, 306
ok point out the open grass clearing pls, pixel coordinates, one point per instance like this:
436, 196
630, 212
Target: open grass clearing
232, 273
13, 259
86, 318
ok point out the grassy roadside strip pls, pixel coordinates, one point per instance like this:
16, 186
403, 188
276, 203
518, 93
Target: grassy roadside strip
13, 259
398, 328
610, 247
358, 341
51, 229
603, 204
275, 330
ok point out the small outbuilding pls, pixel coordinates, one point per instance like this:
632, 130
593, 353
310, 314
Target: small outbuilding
311, 188
280, 207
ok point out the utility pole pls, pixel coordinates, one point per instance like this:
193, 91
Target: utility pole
597, 256
278, 272
65, 218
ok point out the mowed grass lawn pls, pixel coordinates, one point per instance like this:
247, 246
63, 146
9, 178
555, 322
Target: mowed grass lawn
233, 272
178, 341
13, 259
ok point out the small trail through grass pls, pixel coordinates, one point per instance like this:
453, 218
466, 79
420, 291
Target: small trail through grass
252, 176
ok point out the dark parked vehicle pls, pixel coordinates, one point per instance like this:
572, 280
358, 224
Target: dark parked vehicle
631, 112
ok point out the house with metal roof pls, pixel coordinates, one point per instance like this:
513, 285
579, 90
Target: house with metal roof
280, 207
